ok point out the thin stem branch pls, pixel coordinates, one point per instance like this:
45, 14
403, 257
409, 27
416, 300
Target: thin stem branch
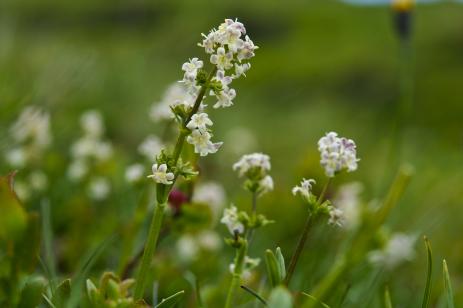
303, 238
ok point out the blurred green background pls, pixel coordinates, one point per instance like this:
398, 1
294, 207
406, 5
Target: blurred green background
321, 66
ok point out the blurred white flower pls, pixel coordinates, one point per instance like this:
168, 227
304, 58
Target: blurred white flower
398, 249
230, 219
347, 199
265, 185
176, 94
160, 174
212, 194
32, 125
248, 266
336, 217
16, 157
199, 121
150, 147
252, 161
22, 190
92, 123
38, 180
77, 170
337, 153
187, 248
201, 140
99, 188
305, 189
209, 240
134, 173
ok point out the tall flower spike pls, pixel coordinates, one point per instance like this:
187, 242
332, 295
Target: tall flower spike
337, 154
160, 174
248, 162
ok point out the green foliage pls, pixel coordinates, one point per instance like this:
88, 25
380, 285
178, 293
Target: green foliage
171, 300
427, 290
448, 286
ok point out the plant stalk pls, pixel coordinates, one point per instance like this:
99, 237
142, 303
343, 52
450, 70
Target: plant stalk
235, 283
150, 247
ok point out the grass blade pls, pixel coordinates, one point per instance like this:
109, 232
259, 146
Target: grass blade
48, 261
255, 294
427, 290
448, 286
387, 298
171, 300
316, 300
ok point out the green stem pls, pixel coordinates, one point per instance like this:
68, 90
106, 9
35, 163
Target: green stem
239, 265
150, 247
184, 131
303, 237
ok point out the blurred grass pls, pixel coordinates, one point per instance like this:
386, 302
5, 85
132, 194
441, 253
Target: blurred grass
322, 65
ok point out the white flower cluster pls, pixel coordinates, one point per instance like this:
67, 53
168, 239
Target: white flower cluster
255, 167
305, 189
337, 153
89, 151
31, 136
161, 175
398, 249
336, 217
230, 219
200, 136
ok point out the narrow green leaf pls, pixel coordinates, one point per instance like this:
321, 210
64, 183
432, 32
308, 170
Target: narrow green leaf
427, 290
280, 298
255, 294
272, 268
448, 286
171, 300
47, 235
281, 263
316, 300
387, 298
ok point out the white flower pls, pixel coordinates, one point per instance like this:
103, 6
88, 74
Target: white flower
223, 60
337, 153
336, 217
22, 190
202, 142
241, 69
38, 180
199, 121
160, 174
134, 173
247, 51
248, 266
33, 124
77, 170
250, 161
92, 123
398, 249
99, 188
150, 147
230, 219
305, 189
16, 157
191, 70
347, 199
223, 79
225, 98
266, 184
